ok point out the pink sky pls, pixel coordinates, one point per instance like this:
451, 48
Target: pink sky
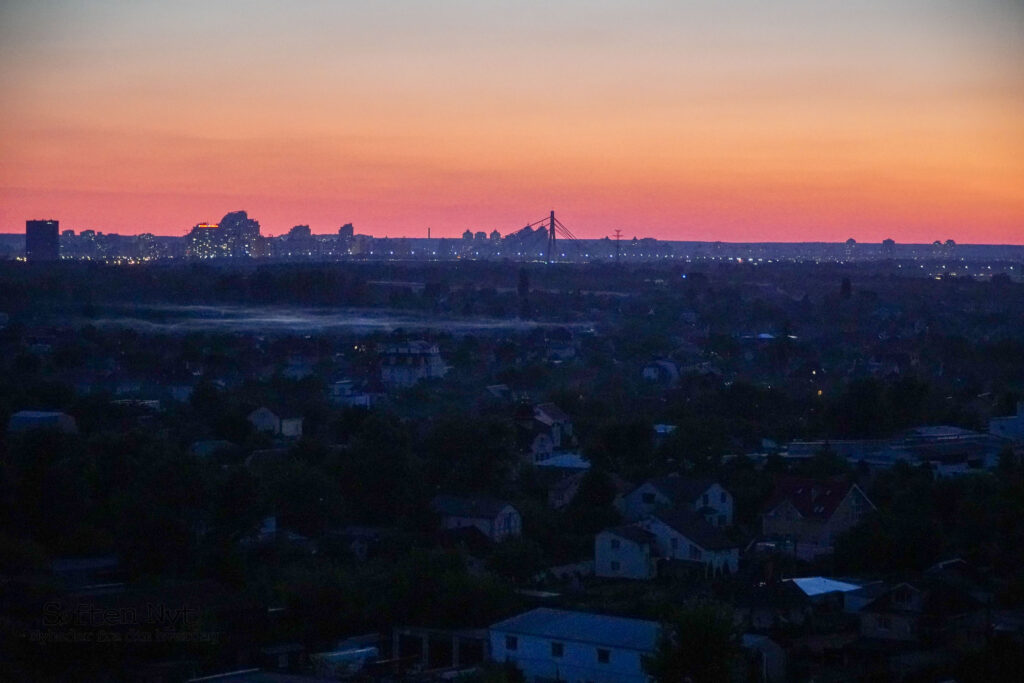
793, 121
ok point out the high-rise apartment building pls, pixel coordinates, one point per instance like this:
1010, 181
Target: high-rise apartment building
42, 240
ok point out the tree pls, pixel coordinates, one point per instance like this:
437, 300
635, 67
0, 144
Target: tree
524, 293
592, 508
697, 644
517, 559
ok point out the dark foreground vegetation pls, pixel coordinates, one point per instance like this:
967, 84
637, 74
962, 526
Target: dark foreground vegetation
167, 483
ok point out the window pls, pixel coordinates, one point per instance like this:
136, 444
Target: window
615, 544
675, 543
511, 643
557, 649
615, 566
721, 520
704, 500
648, 498
694, 552
603, 656
722, 496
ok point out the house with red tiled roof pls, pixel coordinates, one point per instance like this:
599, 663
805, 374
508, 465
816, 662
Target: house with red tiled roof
806, 515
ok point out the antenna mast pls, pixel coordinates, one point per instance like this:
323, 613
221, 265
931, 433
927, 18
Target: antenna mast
551, 239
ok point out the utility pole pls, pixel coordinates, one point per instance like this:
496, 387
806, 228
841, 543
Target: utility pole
618, 236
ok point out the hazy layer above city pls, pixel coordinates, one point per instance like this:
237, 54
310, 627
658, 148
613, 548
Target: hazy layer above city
289, 320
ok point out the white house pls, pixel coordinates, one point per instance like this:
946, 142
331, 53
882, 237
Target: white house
557, 421
625, 552
344, 393
684, 535
663, 371
403, 365
496, 519
704, 496
550, 644
266, 420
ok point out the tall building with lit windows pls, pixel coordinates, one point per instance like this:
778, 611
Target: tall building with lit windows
42, 240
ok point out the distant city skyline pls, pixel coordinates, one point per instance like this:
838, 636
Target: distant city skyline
697, 121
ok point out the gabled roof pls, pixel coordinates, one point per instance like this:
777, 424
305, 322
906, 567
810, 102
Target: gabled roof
472, 508
632, 532
694, 527
584, 627
938, 598
812, 498
682, 490
549, 413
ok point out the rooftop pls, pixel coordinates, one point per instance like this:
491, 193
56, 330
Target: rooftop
599, 629
819, 585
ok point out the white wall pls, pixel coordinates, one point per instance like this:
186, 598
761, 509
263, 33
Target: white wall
578, 664
634, 560
684, 549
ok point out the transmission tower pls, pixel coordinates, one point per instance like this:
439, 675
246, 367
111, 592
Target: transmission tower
618, 236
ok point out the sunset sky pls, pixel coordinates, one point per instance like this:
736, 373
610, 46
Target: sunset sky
728, 120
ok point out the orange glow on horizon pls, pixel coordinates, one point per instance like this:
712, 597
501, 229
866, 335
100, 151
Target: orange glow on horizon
670, 121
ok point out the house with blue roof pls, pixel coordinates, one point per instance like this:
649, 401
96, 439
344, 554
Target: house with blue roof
561, 645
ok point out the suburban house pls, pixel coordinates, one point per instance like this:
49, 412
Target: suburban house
266, 420
686, 536
626, 552
806, 515
541, 430
551, 644
704, 496
344, 393
927, 611
496, 519
403, 365
558, 423
766, 657
661, 371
